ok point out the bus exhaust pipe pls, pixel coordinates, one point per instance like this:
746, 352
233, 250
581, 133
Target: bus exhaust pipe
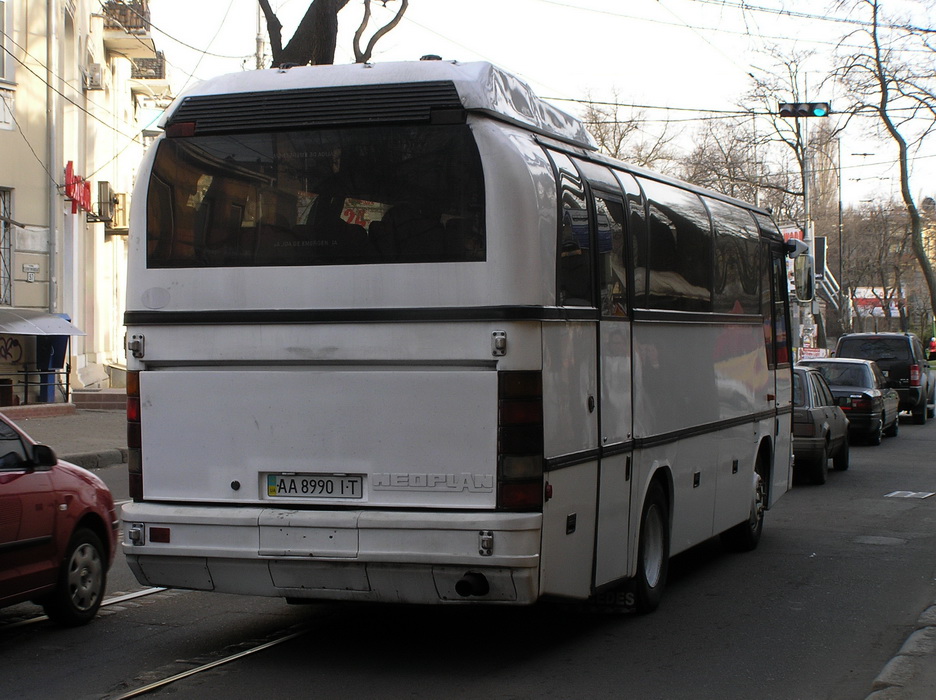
472, 583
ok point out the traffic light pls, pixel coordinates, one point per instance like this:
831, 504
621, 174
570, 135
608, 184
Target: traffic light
805, 109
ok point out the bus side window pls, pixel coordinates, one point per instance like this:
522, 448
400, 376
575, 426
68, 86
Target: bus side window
680, 249
574, 268
737, 273
612, 269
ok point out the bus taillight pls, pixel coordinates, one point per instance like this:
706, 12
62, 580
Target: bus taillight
519, 440
134, 436
180, 130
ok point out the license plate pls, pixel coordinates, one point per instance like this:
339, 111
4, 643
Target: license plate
314, 486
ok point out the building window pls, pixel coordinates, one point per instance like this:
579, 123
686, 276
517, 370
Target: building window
6, 109
6, 247
6, 41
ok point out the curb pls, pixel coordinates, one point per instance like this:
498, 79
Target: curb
97, 460
911, 671
38, 410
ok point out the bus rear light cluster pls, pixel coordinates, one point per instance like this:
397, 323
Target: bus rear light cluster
134, 436
519, 440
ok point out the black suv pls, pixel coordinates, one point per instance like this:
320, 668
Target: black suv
902, 359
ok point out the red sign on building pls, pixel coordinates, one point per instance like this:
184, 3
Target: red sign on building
77, 189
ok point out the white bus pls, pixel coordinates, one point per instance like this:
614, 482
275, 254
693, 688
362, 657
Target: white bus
400, 333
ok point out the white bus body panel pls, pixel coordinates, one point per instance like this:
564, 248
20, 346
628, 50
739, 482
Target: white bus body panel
397, 557
687, 379
570, 377
416, 437
614, 545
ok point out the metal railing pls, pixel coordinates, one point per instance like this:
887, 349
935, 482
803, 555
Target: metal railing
22, 387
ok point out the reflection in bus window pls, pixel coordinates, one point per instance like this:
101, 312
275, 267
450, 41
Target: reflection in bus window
612, 267
680, 249
574, 267
327, 196
737, 277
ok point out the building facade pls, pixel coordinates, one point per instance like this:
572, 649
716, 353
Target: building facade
81, 84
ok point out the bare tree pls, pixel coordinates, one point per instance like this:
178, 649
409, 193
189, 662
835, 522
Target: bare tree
732, 157
787, 83
879, 253
901, 97
626, 137
316, 38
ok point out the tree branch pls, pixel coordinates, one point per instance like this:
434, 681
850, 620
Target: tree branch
364, 56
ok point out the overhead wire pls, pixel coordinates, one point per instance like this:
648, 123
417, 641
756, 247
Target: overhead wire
29, 145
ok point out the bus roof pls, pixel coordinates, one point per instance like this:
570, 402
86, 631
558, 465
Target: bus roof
481, 87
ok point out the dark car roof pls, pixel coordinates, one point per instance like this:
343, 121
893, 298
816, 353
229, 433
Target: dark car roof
857, 360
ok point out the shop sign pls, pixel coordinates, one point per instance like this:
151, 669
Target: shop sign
77, 189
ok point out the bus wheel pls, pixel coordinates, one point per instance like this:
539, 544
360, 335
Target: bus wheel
745, 536
652, 551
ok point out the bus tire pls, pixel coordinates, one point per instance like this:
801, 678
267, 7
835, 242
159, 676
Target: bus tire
745, 536
652, 551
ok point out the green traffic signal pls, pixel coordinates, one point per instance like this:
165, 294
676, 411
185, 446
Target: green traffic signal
805, 109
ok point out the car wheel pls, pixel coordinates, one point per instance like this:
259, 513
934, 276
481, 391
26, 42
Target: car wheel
817, 471
82, 578
840, 459
652, 551
876, 435
920, 413
894, 429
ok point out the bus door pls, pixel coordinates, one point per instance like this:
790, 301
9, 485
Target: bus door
570, 399
615, 400
779, 361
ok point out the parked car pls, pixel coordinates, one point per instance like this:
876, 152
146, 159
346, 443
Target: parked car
58, 530
902, 359
820, 428
862, 391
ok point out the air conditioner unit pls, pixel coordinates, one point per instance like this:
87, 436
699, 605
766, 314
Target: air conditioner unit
105, 202
94, 77
121, 220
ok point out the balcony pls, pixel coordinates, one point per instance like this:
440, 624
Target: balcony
127, 29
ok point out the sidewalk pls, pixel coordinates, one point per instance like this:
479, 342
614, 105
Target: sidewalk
90, 439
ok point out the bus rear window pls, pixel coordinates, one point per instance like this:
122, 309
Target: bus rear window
392, 194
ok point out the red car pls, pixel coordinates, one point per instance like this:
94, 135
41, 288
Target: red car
58, 530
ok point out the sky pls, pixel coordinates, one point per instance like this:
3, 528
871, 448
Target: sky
683, 55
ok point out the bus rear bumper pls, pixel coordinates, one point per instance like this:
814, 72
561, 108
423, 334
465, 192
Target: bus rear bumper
405, 557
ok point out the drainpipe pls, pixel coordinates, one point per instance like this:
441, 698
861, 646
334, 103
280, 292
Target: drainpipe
52, 138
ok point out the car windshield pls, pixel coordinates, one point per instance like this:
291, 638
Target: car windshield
799, 394
875, 348
845, 374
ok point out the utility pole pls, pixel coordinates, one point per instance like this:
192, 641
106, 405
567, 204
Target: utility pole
259, 62
799, 110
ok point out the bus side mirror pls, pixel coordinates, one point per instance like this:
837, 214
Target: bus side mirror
796, 247
804, 278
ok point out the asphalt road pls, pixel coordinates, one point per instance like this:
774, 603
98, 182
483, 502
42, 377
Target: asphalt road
816, 612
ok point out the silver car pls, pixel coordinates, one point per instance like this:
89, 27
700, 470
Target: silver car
820, 428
